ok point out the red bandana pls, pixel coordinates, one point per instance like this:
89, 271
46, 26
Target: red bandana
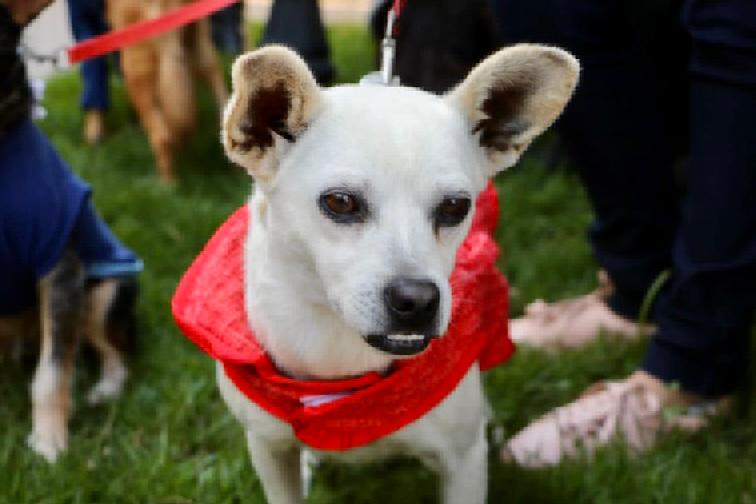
341, 414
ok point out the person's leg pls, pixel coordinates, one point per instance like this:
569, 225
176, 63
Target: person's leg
88, 20
706, 312
297, 24
226, 29
624, 130
704, 316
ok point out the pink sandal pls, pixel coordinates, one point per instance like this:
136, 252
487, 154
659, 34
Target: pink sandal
635, 410
573, 322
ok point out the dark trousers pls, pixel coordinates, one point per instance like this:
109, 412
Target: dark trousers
87, 21
297, 24
662, 79
226, 28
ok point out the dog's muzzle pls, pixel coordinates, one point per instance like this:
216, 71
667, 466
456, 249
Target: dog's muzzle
412, 307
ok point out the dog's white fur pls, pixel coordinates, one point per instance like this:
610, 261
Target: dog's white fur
314, 287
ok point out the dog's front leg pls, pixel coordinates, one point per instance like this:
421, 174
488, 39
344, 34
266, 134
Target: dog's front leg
278, 469
61, 295
464, 475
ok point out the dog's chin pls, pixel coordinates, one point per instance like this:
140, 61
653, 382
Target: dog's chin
400, 344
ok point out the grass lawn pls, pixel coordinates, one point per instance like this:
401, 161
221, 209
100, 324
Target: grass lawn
169, 439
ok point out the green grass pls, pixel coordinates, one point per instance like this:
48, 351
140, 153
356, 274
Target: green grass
169, 439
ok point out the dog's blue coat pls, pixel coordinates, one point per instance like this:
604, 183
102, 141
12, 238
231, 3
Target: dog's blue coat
43, 208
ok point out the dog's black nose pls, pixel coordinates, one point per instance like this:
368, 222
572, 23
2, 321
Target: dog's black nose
412, 304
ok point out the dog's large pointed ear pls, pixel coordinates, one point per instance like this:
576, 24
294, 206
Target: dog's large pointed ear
513, 96
275, 97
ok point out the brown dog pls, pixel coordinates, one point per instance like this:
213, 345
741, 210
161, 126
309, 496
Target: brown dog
159, 75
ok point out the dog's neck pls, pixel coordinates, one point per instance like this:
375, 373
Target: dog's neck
302, 334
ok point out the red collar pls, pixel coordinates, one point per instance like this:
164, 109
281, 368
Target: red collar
340, 414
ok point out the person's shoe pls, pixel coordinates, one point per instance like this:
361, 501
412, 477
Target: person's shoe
573, 322
635, 410
94, 126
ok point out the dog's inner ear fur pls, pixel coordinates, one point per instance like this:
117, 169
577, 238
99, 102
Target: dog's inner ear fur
275, 98
512, 97
503, 109
266, 114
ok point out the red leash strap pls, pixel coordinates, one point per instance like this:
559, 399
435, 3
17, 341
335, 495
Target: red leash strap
399, 6
396, 11
138, 32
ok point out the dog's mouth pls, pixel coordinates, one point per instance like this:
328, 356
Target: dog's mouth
400, 344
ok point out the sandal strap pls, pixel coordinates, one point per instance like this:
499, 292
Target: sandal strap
631, 410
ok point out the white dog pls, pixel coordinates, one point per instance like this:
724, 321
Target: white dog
363, 195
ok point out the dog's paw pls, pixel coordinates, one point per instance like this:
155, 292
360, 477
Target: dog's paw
49, 444
110, 385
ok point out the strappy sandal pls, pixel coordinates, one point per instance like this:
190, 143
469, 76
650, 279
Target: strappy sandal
635, 410
573, 322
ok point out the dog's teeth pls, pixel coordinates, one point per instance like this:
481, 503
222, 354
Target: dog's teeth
406, 337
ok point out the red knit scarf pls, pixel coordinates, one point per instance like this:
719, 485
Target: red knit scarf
341, 414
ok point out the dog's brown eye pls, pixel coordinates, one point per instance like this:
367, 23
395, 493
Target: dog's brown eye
341, 203
342, 206
452, 210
